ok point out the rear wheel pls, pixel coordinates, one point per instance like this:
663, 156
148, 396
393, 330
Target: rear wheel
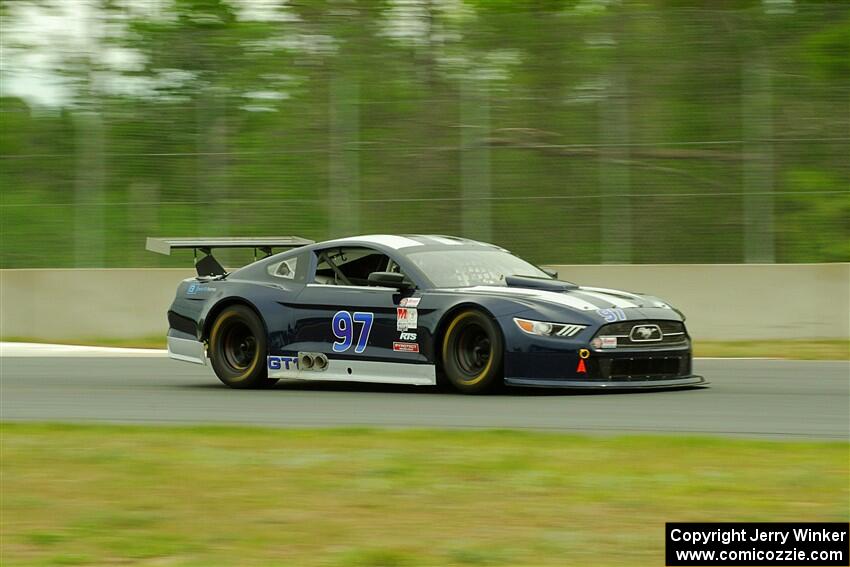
238, 349
473, 352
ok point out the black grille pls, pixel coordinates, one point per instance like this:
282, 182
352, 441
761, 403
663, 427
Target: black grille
673, 333
639, 368
624, 368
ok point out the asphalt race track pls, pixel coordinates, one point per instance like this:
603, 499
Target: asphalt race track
754, 398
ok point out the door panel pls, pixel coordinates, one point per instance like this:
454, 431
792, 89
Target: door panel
355, 323
356, 327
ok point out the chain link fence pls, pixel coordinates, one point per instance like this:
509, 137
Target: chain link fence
585, 132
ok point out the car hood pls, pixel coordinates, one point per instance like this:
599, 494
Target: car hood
581, 299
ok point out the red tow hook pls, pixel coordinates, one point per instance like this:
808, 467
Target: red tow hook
582, 354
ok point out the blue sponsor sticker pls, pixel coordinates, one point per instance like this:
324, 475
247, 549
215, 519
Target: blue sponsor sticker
194, 289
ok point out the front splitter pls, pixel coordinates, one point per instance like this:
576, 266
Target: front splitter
682, 381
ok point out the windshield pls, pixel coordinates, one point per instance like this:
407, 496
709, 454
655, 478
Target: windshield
465, 268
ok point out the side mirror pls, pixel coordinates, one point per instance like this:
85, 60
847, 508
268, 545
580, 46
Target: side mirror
549, 272
389, 279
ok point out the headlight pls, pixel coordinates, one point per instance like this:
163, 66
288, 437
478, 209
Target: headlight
548, 329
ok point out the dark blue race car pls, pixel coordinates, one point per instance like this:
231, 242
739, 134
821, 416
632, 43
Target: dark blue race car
411, 309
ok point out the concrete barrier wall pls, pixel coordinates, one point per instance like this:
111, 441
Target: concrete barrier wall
760, 301
79, 304
739, 301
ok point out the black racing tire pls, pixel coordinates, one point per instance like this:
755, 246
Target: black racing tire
473, 352
237, 349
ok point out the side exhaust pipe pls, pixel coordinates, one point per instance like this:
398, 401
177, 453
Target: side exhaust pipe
306, 361
320, 362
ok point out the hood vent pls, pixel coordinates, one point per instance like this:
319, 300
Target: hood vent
539, 283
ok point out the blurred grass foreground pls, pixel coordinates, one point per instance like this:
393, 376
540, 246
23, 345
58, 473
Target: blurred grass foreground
182, 496
568, 131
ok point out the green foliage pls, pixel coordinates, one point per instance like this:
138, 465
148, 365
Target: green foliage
566, 131
828, 51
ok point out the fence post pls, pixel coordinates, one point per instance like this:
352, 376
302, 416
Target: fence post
344, 165
757, 127
475, 188
614, 175
88, 190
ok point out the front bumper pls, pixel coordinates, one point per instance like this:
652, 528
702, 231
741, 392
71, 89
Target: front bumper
576, 365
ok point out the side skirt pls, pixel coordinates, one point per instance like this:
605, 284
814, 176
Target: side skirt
358, 371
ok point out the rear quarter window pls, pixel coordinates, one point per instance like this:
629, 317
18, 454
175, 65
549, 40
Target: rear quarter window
292, 269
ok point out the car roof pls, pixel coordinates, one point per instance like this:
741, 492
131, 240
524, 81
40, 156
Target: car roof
394, 245
407, 243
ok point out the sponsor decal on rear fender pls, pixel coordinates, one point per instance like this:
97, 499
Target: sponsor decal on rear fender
196, 288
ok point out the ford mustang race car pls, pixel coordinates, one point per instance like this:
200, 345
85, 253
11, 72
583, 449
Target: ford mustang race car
414, 310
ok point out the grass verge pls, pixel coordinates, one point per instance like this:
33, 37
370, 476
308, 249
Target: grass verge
819, 349
239, 496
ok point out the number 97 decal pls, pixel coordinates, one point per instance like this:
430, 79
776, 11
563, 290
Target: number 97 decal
343, 328
612, 315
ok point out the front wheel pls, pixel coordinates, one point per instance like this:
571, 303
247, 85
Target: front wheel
473, 352
238, 349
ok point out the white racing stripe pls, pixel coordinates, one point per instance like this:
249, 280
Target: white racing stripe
611, 300
443, 240
641, 300
384, 239
555, 297
618, 292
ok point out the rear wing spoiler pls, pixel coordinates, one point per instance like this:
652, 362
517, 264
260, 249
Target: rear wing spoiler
208, 265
